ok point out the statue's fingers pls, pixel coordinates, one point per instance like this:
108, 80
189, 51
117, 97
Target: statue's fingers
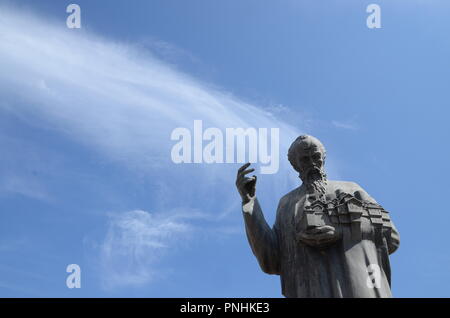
243, 181
243, 167
240, 175
248, 180
243, 173
242, 184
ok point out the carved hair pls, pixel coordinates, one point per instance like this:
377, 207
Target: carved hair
301, 144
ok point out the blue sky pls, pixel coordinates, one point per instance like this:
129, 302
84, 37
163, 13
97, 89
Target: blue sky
86, 115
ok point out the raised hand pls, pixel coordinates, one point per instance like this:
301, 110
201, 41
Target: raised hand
245, 185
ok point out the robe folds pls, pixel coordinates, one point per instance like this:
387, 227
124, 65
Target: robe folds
344, 269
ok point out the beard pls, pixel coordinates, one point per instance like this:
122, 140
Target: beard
315, 181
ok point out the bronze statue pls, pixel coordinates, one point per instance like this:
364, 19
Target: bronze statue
330, 238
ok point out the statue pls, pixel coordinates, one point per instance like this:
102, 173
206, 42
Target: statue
330, 238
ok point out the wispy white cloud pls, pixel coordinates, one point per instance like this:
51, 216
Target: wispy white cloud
117, 100
24, 186
345, 125
122, 102
137, 240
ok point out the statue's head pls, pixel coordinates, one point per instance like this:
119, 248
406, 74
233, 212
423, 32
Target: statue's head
307, 156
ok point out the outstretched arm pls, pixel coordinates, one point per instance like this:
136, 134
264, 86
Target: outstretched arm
263, 240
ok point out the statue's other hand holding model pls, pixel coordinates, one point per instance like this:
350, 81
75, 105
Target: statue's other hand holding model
330, 238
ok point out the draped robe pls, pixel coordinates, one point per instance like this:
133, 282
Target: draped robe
341, 270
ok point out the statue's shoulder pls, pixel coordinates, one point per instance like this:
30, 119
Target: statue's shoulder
347, 186
291, 196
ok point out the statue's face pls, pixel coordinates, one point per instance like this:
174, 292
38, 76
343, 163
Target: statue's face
311, 162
